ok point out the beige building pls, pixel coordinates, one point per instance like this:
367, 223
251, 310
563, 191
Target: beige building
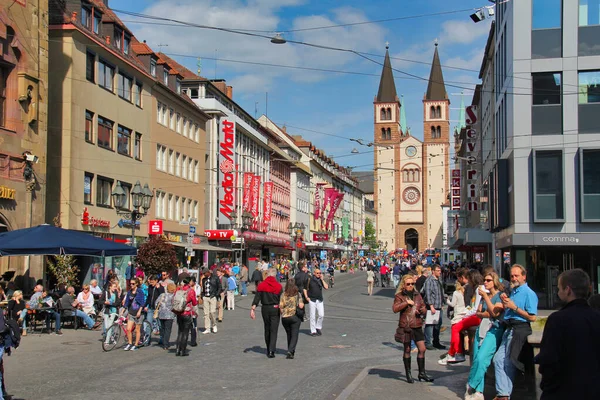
411, 176
117, 117
23, 126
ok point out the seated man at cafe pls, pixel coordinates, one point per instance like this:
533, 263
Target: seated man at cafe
68, 302
44, 303
94, 288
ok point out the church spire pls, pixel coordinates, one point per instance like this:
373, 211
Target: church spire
436, 90
387, 87
403, 123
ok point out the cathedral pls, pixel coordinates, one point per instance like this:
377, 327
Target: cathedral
411, 176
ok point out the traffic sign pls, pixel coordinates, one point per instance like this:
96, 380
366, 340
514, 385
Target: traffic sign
192, 229
184, 222
193, 220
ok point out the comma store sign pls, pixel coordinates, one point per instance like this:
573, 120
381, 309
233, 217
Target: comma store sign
227, 179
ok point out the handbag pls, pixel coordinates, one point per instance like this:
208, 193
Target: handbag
299, 311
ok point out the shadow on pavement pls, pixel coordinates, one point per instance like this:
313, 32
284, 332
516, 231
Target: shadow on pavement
388, 292
385, 373
262, 350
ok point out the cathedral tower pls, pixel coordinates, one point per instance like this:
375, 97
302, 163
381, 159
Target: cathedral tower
386, 135
436, 143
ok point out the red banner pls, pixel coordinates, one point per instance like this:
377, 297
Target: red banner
318, 200
247, 191
268, 191
254, 195
337, 200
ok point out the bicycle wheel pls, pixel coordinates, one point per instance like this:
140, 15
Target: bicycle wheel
146, 333
113, 337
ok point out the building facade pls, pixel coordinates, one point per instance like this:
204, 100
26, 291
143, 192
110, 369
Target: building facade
544, 192
23, 126
411, 176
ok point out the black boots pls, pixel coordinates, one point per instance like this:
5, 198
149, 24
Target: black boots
422, 374
409, 377
290, 355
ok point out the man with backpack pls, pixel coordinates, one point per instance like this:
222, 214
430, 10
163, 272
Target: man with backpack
184, 302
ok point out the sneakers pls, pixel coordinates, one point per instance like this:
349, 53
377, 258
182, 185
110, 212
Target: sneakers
59, 332
446, 360
206, 331
128, 347
459, 358
214, 329
319, 332
133, 348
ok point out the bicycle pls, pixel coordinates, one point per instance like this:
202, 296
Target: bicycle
331, 281
113, 334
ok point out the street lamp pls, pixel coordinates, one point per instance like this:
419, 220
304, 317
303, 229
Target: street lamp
140, 197
297, 231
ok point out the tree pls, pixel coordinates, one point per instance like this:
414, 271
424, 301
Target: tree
63, 268
156, 255
370, 237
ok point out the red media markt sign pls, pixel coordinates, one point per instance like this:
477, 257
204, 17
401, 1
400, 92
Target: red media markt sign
155, 227
218, 234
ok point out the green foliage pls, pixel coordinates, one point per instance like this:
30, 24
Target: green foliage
156, 255
370, 237
63, 268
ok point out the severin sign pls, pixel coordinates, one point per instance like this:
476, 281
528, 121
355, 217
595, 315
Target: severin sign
226, 170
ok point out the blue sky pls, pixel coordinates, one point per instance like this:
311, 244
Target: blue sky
333, 103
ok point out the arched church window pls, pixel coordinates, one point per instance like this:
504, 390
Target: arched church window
432, 112
438, 132
417, 175
389, 133
433, 132
405, 175
382, 115
383, 133
438, 112
389, 113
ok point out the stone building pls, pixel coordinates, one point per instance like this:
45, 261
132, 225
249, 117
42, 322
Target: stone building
23, 125
411, 176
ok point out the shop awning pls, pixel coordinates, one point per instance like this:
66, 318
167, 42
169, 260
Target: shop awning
202, 246
266, 239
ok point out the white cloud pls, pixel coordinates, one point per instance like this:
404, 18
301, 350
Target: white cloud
463, 31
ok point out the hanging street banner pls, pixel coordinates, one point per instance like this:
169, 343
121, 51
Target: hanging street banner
226, 170
318, 201
247, 191
337, 199
268, 192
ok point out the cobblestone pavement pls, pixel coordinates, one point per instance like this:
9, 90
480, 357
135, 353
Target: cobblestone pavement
356, 358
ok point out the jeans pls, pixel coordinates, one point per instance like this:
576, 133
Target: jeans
194, 332
166, 325
316, 321
184, 323
456, 344
231, 299
23, 316
109, 319
482, 357
49, 315
396, 279
505, 370
433, 331
244, 286
270, 316
150, 318
292, 329
210, 310
86, 318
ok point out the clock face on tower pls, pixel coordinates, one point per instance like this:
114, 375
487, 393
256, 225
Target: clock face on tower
411, 195
411, 151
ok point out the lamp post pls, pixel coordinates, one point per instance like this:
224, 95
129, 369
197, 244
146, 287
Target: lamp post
247, 219
297, 234
140, 197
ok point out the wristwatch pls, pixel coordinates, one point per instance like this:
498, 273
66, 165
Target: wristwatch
516, 309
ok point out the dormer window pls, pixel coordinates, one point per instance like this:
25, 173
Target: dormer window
97, 23
178, 86
118, 39
126, 43
166, 76
86, 17
153, 67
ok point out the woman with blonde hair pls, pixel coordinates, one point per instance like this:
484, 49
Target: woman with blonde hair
409, 303
165, 315
370, 280
458, 303
488, 335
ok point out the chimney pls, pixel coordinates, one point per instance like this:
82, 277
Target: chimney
107, 38
229, 92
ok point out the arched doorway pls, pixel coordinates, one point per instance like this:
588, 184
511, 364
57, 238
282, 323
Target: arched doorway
411, 239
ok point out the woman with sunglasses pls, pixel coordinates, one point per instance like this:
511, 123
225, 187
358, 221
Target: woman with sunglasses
134, 303
409, 303
488, 335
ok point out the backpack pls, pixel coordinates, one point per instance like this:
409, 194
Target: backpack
10, 333
179, 301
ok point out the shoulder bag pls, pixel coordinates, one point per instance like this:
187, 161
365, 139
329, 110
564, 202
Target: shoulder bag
299, 311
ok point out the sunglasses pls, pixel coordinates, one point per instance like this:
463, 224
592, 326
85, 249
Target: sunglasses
488, 280
409, 284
